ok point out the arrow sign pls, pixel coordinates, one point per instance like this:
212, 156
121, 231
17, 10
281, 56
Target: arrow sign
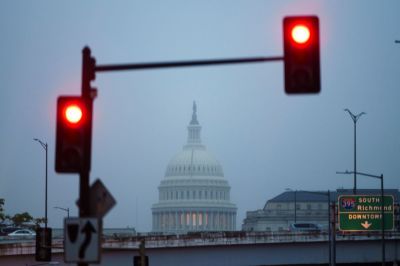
82, 240
364, 212
87, 230
366, 225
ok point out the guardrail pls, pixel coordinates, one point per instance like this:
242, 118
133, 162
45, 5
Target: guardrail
233, 238
152, 240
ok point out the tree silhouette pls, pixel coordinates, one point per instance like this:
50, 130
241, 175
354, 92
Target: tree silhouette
2, 215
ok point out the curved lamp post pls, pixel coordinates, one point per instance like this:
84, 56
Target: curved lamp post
63, 209
332, 259
44, 145
355, 118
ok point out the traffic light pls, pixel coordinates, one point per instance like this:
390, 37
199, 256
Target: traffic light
73, 136
301, 53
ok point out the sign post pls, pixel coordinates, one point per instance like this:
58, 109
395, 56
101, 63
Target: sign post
364, 212
382, 200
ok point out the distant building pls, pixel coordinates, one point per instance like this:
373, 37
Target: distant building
311, 207
194, 195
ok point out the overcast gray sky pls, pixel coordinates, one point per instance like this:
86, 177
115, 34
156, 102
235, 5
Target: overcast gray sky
265, 140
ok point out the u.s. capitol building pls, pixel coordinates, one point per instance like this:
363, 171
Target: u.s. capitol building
194, 195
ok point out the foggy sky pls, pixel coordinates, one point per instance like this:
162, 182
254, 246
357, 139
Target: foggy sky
265, 140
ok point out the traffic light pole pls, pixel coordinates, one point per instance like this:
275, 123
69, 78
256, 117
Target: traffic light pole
84, 198
89, 70
190, 63
88, 96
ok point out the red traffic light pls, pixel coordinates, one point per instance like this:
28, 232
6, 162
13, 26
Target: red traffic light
73, 113
301, 54
300, 34
73, 134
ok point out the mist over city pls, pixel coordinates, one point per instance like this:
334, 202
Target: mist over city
258, 141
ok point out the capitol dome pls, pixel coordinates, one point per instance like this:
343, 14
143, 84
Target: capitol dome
195, 162
194, 195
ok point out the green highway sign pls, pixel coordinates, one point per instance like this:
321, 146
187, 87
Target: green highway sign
364, 212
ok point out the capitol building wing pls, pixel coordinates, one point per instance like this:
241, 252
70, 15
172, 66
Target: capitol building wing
194, 195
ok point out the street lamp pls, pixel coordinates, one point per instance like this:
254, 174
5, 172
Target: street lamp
63, 209
355, 118
295, 206
382, 207
328, 194
44, 145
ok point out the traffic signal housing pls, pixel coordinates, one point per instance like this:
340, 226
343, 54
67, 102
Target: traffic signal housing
73, 134
301, 54
43, 244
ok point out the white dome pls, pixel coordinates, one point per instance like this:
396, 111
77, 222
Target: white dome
194, 162
194, 196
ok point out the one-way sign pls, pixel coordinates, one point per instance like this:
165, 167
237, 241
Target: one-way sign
82, 240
